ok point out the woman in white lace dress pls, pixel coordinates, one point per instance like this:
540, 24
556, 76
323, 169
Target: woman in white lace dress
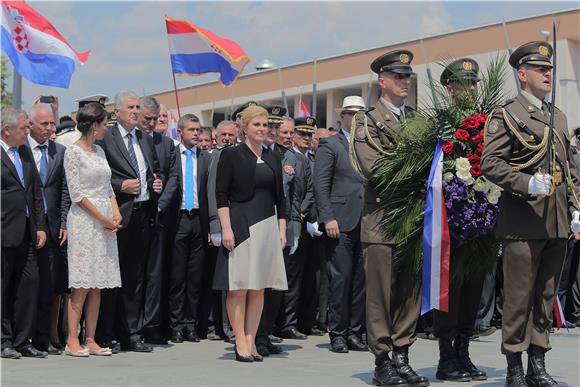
93, 219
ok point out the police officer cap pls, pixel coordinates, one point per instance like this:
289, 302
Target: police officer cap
99, 98
111, 119
465, 69
305, 124
533, 53
236, 113
398, 61
275, 113
65, 127
577, 132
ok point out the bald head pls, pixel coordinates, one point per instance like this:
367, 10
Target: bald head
320, 133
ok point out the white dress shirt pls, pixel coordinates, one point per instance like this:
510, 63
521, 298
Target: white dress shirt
143, 192
182, 150
346, 134
6, 148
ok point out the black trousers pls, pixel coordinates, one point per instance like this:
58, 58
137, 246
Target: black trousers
121, 312
270, 312
313, 301
346, 301
19, 293
185, 279
210, 305
53, 280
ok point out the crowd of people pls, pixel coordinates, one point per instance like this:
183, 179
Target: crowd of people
117, 237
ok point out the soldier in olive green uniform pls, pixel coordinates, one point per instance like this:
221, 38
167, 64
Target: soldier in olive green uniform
538, 208
455, 327
393, 297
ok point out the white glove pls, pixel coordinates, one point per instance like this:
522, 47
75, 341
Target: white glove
312, 229
216, 239
540, 184
575, 224
294, 245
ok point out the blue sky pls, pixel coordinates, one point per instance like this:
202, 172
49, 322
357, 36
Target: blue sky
129, 47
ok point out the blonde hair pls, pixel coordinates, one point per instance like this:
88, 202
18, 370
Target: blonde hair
250, 113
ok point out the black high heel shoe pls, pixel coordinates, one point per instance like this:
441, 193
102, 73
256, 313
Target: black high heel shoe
243, 359
258, 358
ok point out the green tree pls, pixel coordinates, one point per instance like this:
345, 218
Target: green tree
6, 95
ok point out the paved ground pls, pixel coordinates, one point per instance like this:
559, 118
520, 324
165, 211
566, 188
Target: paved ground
304, 363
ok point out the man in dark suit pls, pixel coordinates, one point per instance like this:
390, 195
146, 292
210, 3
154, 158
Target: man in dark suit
191, 239
162, 242
137, 182
23, 215
48, 160
339, 196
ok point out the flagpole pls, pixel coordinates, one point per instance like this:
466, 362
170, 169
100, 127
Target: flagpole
313, 112
17, 90
176, 95
370, 91
509, 50
283, 92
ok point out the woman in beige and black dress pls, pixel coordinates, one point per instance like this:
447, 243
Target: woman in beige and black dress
251, 209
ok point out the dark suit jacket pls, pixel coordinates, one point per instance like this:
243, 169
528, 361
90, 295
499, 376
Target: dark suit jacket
337, 187
166, 154
236, 174
55, 190
121, 169
15, 199
202, 173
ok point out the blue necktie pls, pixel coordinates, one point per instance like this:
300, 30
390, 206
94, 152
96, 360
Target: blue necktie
43, 172
18, 164
189, 181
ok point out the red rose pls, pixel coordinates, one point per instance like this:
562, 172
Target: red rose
481, 118
470, 122
473, 159
478, 137
479, 149
462, 135
475, 170
447, 147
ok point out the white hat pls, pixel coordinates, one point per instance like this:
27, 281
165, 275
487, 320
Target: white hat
352, 103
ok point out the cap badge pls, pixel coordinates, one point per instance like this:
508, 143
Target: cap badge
276, 110
309, 121
404, 58
543, 50
467, 66
252, 104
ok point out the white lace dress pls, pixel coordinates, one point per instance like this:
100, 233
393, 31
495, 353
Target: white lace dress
93, 258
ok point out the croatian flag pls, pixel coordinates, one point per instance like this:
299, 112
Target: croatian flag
303, 110
173, 126
436, 241
559, 313
196, 51
35, 48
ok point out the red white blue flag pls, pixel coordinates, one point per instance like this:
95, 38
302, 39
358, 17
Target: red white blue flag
196, 51
36, 49
436, 241
559, 313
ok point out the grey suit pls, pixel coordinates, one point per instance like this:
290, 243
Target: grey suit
339, 196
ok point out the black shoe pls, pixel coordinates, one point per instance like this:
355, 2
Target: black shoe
274, 349
461, 345
10, 353
316, 332
404, 369
177, 337
262, 350
339, 345
191, 335
258, 358
212, 336
355, 344
30, 351
243, 359
292, 333
156, 338
537, 375
137, 346
113, 345
275, 339
52, 350
515, 371
386, 374
448, 367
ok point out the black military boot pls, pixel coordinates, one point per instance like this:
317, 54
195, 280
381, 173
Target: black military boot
537, 375
515, 371
386, 374
448, 367
461, 345
401, 363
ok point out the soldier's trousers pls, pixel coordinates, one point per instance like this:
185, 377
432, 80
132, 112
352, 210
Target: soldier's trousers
464, 297
393, 301
532, 272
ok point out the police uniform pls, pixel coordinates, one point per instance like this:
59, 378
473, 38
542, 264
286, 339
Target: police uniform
455, 327
69, 135
534, 228
392, 296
